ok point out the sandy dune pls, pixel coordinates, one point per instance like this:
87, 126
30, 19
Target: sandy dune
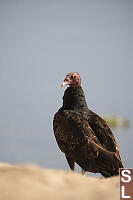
30, 182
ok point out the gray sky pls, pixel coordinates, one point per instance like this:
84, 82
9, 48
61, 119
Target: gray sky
41, 41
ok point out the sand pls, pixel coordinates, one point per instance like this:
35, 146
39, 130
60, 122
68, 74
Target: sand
29, 182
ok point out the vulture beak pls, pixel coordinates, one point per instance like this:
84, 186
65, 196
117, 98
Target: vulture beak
66, 81
64, 84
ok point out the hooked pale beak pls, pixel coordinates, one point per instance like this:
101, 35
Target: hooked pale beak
66, 81
64, 84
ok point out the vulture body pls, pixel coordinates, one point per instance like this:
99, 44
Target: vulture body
84, 136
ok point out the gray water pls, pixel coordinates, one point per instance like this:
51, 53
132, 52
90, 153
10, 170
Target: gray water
41, 41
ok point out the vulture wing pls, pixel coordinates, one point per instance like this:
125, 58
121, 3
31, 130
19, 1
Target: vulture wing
79, 143
103, 132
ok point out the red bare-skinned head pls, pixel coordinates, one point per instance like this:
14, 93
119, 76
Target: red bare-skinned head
72, 79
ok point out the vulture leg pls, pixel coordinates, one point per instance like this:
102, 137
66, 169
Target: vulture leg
71, 163
83, 172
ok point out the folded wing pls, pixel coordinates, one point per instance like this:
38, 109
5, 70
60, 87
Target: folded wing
81, 145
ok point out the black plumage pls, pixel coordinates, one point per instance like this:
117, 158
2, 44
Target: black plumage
84, 136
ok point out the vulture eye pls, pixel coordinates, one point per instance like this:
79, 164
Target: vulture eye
71, 77
74, 76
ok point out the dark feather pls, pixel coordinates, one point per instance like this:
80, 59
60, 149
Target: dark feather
103, 132
76, 139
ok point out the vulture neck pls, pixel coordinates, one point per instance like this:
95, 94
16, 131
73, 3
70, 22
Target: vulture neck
74, 99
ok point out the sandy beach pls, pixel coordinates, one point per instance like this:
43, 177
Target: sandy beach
30, 182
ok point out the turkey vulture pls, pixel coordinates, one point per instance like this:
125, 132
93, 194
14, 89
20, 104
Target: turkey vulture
82, 135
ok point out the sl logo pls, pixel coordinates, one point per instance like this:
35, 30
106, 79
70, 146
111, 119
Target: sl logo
126, 183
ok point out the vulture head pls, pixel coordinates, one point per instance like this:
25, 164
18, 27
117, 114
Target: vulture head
72, 79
